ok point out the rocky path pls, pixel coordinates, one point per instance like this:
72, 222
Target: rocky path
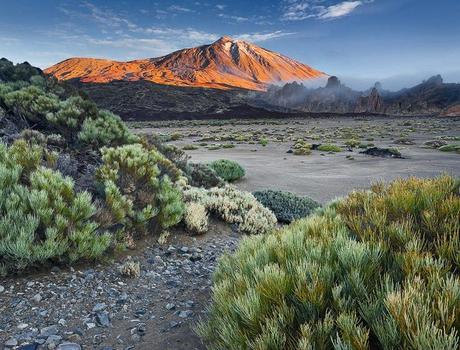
98, 308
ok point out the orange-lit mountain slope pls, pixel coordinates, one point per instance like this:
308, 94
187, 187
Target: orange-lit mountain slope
224, 64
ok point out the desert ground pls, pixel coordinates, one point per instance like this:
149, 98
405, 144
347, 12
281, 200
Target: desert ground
94, 307
321, 175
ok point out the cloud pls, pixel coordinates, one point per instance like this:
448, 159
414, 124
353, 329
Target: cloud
234, 18
221, 6
297, 10
177, 8
339, 10
258, 37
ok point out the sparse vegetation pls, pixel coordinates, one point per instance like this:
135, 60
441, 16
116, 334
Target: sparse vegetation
329, 148
378, 269
227, 169
286, 206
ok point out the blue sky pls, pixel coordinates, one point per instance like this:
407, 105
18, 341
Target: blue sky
396, 41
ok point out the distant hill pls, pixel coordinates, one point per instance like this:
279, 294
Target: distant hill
224, 64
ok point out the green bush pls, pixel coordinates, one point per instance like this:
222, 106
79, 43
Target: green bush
107, 129
286, 206
201, 175
42, 219
233, 206
450, 148
227, 169
138, 195
376, 270
31, 103
70, 115
329, 148
263, 141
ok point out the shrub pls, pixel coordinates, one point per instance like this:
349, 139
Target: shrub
263, 141
196, 217
71, 114
302, 148
175, 136
329, 148
286, 206
377, 270
450, 148
42, 218
31, 103
227, 169
201, 175
106, 129
190, 147
131, 269
352, 143
235, 207
139, 197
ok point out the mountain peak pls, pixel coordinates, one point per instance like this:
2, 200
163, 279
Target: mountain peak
225, 64
225, 39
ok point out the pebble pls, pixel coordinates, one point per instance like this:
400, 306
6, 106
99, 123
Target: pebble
22, 326
47, 331
64, 301
69, 346
37, 298
99, 307
11, 342
185, 314
103, 319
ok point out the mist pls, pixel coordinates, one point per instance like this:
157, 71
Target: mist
397, 82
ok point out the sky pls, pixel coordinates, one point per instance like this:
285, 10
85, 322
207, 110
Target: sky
399, 42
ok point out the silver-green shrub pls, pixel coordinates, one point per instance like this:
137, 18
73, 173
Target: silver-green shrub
138, 195
42, 218
376, 270
106, 129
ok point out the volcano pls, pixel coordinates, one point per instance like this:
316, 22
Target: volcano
225, 64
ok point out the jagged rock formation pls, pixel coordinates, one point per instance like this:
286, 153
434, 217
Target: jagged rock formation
224, 64
432, 97
373, 103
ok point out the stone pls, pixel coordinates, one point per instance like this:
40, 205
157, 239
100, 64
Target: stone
69, 346
99, 307
37, 298
53, 339
47, 331
170, 306
2, 289
103, 319
22, 326
185, 314
11, 342
33, 346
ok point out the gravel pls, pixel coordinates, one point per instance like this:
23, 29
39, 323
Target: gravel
97, 308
